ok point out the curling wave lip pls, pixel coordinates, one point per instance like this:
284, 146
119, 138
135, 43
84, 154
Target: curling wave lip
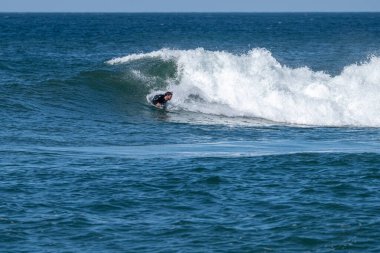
255, 84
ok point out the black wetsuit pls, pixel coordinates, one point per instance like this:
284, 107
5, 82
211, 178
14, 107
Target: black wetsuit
159, 99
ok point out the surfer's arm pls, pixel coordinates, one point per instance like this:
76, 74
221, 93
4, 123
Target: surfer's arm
158, 105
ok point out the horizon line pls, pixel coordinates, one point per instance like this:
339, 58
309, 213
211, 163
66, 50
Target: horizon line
177, 12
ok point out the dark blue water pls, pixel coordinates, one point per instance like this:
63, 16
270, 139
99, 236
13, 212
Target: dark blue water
270, 144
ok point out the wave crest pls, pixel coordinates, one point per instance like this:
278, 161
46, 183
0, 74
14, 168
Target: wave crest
255, 84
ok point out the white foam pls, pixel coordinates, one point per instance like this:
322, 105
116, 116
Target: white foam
257, 85
164, 54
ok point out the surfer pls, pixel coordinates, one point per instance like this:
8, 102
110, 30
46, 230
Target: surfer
161, 99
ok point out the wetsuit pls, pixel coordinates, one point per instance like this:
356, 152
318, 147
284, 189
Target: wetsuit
159, 99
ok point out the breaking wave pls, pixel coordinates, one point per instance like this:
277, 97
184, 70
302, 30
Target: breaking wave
255, 84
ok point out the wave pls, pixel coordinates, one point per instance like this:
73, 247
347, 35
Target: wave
255, 84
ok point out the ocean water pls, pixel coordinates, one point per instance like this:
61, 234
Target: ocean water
271, 142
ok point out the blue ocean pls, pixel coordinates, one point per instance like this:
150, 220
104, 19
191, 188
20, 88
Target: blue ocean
271, 142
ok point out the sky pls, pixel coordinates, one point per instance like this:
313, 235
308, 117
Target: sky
189, 5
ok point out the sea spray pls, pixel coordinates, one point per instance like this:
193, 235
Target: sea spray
255, 84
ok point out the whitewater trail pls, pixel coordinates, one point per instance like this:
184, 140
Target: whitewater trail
255, 84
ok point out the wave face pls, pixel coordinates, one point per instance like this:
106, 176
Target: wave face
255, 84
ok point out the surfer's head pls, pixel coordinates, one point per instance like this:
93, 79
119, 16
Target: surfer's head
168, 95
